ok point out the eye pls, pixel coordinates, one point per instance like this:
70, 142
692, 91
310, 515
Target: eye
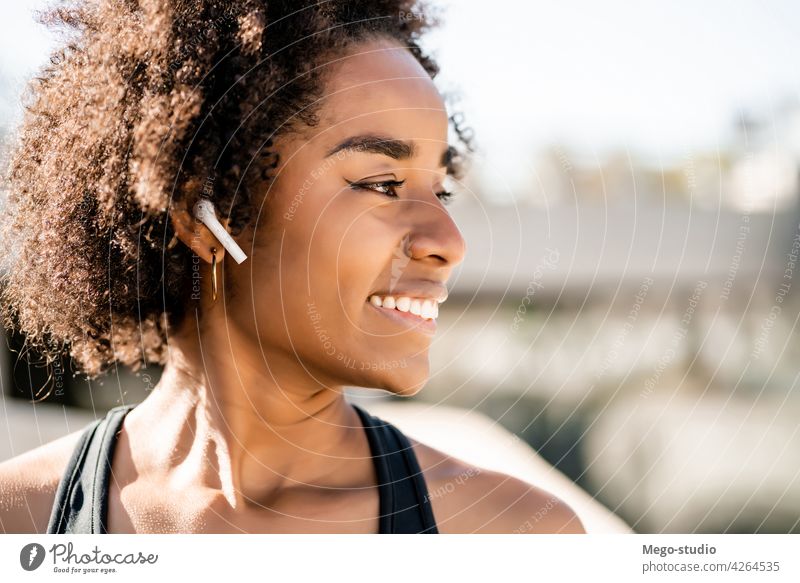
386, 187
445, 196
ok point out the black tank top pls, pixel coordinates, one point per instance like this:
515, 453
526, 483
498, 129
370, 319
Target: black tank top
81, 502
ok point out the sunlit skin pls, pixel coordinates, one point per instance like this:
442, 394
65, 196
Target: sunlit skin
248, 429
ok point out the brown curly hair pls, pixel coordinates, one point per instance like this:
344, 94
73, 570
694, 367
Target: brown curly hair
149, 102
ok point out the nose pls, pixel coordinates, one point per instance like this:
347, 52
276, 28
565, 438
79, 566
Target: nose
434, 236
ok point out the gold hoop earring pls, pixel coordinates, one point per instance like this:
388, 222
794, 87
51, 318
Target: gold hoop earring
213, 274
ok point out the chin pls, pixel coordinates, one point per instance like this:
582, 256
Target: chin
408, 391
406, 384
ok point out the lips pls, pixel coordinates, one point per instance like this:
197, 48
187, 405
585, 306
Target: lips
406, 319
425, 308
423, 290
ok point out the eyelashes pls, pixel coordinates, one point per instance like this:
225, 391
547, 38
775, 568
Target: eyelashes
388, 188
445, 195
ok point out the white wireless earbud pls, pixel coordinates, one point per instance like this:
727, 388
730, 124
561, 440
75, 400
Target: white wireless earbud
204, 212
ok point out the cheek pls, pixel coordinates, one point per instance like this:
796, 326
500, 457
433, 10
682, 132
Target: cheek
320, 262
341, 242
335, 248
349, 255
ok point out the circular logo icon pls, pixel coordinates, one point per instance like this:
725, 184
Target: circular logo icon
31, 556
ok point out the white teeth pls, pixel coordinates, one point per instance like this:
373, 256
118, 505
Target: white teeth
416, 307
424, 308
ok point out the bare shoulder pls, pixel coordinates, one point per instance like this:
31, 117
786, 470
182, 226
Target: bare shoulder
469, 499
28, 484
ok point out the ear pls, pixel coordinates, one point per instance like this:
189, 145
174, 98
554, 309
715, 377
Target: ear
194, 234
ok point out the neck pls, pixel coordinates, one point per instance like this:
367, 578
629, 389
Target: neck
232, 416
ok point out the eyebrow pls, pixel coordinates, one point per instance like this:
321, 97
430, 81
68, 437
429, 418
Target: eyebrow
386, 146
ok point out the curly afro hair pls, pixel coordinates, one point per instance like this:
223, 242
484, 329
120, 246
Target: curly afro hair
146, 103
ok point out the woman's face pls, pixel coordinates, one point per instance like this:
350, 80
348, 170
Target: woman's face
322, 244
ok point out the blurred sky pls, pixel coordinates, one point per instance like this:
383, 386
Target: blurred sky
661, 78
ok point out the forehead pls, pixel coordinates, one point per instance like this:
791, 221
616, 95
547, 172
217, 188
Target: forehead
380, 87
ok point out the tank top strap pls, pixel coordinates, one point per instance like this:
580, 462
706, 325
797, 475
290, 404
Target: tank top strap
81, 501
405, 506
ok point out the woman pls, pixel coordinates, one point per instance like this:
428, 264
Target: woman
319, 136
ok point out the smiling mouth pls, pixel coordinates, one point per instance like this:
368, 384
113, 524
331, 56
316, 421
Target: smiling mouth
420, 313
